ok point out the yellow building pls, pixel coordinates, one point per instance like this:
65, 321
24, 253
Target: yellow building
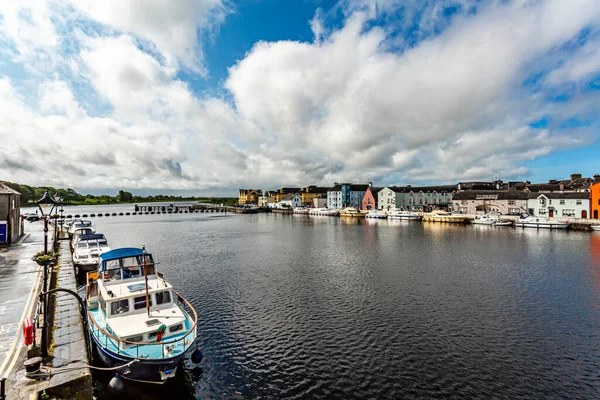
249, 196
310, 193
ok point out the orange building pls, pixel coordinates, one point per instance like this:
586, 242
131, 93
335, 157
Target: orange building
595, 197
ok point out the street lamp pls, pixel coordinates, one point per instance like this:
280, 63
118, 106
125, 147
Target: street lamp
46, 205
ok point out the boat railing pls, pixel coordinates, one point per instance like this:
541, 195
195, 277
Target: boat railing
96, 329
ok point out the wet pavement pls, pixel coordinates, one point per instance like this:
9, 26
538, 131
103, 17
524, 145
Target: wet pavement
20, 278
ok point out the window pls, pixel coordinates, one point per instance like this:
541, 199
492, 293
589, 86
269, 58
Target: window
578, 202
542, 211
562, 202
176, 328
568, 213
119, 307
511, 202
550, 201
163, 297
543, 202
138, 338
140, 302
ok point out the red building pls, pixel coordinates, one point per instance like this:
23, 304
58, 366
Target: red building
369, 201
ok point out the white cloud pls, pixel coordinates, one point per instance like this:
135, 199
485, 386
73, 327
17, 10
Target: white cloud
172, 26
345, 107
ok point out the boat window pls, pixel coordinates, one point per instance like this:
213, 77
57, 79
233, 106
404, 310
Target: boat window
132, 272
119, 307
152, 335
130, 262
81, 245
163, 297
176, 328
93, 244
140, 302
137, 338
102, 242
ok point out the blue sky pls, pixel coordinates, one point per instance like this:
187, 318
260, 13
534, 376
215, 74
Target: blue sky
206, 96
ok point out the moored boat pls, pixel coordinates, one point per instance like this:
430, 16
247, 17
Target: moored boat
528, 221
301, 210
595, 227
351, 212
323, 211
87, 249
444, 216
376, 214
399, 213
81, 224
136, 319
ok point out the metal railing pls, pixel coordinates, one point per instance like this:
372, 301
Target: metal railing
96, 329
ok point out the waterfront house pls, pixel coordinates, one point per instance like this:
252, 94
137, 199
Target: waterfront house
312, 192
11, 227
595, 197
559, 204
289, 201
346, 195
319, 202
484, 201
370, 199
390, 197
426, 198
249, 196
281, 193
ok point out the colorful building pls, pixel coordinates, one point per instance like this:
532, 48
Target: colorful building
285, 191
370, 199
310, 193
346, 195
11, 227
249, 196
595, 198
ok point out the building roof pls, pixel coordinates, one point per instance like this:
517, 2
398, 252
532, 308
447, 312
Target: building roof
6, 190
289, 196
336, 188
287, 190
375, 190
561, 195
358, 188
315, 189
491, 195
477, 185
441, 188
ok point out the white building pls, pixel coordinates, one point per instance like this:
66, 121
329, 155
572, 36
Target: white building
290, 201
319, 202
556, 204
390, 197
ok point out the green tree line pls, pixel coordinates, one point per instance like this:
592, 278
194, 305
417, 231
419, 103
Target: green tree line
31, 194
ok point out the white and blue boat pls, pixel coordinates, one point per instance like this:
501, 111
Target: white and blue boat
136, 319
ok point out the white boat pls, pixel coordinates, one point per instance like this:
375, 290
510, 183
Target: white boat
79, 224
445, 216
376, 214
301, 210
352, 212
595, 227
502, 223
323, 211
137, 320
87, 249
399, 213
528, 221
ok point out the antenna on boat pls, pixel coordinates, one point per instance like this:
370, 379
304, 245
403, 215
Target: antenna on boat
146, 279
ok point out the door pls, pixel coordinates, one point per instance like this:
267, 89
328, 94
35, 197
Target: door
3, 232
584, 214
595, 214
551, 212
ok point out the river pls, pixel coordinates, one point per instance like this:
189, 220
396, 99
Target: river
293, 306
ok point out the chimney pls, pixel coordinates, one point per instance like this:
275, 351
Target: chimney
597, 178
370, 184
561, 186
575, 176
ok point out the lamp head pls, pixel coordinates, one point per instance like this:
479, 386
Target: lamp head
46, 204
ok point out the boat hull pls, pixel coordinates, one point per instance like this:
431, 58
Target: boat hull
595, 227
405, 217
156, 372
539, 225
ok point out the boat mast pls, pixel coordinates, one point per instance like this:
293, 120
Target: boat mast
146, 279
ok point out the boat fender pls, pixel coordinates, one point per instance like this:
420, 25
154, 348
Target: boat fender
160, 332
28, 332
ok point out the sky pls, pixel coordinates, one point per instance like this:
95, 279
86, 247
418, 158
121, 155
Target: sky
208, 96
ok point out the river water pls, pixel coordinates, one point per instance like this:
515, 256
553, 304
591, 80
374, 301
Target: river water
298, 307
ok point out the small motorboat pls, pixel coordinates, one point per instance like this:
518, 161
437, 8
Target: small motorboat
352, 212
87, 249
301, 210
529, 221
595, 227
376, 214
80, 224
399, 213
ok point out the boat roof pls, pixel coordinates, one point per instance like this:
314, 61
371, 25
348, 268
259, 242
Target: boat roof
93, 236
122, 253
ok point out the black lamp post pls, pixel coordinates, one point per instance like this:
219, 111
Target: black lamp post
46, 205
